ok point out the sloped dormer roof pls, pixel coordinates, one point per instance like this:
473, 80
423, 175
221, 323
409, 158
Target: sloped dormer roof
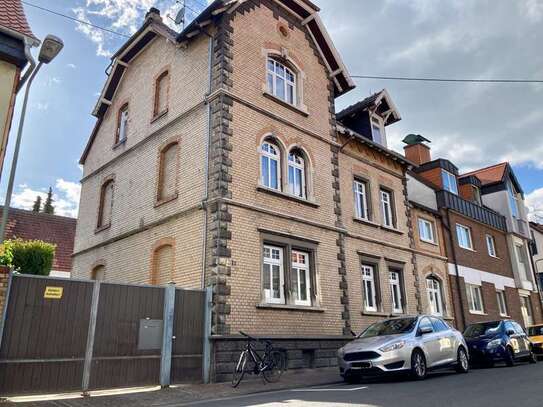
496, 174
380, 101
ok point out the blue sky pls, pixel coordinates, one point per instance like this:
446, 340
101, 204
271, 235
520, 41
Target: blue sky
470, 124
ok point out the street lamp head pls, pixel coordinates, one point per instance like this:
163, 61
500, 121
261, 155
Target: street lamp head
50, 48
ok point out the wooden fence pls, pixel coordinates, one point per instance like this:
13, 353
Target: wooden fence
65, 335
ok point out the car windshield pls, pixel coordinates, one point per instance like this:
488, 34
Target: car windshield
390, 327
535, 330
482, 329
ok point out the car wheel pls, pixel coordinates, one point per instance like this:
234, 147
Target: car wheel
418, 365
462, 361
351, 379
510, 357
532, 358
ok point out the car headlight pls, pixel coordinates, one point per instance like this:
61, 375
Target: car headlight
494, 343
393, 346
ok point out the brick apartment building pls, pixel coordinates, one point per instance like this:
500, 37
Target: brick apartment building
483, 252
217, 159
536, 250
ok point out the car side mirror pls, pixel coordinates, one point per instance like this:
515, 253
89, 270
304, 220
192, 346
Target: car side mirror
510, 332
426, 330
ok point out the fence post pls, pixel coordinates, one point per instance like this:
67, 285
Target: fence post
167, 336
206, 371
90, 338
4, 309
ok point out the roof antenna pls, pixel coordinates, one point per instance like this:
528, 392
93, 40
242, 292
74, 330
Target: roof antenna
180, 16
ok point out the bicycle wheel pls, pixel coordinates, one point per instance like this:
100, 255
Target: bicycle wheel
239, 369
274, 364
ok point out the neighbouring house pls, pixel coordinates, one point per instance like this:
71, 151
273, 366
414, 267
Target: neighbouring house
500, 190
58, 230
483, 278
536, 251
218, 160
16, 38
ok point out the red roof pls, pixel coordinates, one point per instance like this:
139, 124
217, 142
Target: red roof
12, 17
59, 230
489, 175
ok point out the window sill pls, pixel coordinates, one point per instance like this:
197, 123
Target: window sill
166, 200
468, 249
286, 307
119, 143
429, 242
374, 313
102, 228
287, 196
302, 111
477, 312
159, 115
377, 225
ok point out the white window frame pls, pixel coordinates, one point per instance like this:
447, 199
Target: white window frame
491, 245
431, 227
386, 198
520, 254
368, 280
475, 298
513, 201
435, 300
502, 304
460, 227
395, 282
296, 268
275, 76
526, 310
377, 123
297, 162
123, 124
269, 156
274, 262
360, 189
451, 185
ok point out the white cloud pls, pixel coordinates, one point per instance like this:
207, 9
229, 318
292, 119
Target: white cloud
532, 10
65, 197
72, 66
42, 106
95, 35
534, 202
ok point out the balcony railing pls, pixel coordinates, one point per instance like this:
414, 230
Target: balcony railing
446, 199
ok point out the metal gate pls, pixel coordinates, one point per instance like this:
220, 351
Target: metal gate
65, 335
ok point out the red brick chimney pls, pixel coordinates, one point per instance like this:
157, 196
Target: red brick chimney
415, 151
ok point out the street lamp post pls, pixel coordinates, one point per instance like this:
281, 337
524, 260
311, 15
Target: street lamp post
49, 50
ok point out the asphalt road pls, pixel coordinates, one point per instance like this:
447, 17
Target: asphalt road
518, 386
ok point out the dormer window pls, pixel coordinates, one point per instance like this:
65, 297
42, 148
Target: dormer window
377, 131
281, 81
477, 195
512, 199
449, 182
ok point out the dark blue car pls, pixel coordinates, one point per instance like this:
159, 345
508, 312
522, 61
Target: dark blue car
498, 341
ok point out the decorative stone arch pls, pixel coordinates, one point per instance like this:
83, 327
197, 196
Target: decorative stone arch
289, 59
430, 272
99, 266
165, 72
276, 139
154, 266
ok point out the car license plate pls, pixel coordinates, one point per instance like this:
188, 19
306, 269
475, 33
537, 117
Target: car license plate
361, 365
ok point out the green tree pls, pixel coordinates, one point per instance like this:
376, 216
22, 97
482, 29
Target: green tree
48, 205
37, 204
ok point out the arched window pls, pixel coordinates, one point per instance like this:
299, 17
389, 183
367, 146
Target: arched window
162, 268
98, 273
161, 94
167, 176
281, 81
435, 299
270, 165
296, 174
106, 204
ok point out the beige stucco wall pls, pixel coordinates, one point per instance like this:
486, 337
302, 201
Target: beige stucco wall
8, 76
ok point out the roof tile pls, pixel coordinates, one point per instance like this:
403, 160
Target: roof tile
12, 16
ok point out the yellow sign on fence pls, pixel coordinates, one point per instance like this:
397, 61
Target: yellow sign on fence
53, 292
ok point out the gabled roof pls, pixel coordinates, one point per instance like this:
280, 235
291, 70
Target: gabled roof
379, 101
496, 174
13, 21
373, 145
59, 230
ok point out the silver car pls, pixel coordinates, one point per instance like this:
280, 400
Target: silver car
408, 344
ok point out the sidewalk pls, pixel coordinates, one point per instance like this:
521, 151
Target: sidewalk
181, 394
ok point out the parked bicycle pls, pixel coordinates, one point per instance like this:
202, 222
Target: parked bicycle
271, 364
